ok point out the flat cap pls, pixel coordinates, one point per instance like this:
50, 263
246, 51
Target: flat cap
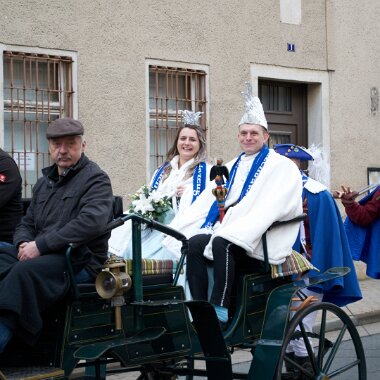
64, 127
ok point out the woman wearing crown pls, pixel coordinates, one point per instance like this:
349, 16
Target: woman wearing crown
181, 179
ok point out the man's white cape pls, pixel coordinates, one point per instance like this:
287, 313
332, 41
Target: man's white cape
276, 195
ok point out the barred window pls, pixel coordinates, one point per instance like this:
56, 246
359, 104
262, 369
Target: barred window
170, 91
37, 90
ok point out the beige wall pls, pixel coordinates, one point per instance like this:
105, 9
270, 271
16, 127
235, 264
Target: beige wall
114, 40
354, 57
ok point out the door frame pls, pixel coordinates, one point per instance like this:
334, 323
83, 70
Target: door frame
317, 81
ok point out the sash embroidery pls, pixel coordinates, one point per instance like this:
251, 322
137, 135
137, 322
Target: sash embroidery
254, 172
199, 180
157, 178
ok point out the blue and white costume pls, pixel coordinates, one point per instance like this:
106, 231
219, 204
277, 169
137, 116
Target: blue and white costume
120, 241
329, 245
241, 226
323, 240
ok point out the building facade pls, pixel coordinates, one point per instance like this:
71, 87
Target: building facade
126, 68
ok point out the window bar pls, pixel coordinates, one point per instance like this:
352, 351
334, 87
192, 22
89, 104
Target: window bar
69, 90
186, 88
24, 80
204, 103
193, 91
60, 87
167, 77
36, 153
11, 117
156, 123
199, 98
201, 105
51, 64
176, 101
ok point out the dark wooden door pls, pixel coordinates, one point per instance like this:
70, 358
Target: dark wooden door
285, 109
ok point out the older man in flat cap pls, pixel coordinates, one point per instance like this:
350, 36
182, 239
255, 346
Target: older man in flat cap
72, 203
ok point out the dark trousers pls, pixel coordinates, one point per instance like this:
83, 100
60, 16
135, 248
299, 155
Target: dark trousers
229, 259
28, 287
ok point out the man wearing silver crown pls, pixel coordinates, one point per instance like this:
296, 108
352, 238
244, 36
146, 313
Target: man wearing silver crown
263, 188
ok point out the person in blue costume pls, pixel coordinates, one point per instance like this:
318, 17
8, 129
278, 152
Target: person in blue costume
362, 226
322, 239
182, 178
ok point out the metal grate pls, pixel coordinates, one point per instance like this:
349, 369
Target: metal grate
170, 91
37, 89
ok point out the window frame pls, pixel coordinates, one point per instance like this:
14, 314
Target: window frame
35, 105
182, 67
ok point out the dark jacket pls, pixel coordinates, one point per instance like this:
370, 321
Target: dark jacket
10, 197
72, 208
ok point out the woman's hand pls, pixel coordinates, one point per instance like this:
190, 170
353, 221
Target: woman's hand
180, 190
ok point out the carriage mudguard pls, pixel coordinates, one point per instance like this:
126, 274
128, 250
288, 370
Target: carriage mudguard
268, 348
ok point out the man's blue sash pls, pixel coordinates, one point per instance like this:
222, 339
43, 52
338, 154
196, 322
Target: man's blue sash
254, 172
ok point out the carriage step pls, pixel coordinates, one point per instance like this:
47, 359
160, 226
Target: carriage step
216, 354
159, 303
31, 373
96, 350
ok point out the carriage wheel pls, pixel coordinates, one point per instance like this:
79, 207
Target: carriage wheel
328, 356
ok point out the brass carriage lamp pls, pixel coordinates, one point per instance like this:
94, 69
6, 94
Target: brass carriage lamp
112, 282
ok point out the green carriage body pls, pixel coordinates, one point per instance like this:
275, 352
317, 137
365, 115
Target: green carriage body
157, 332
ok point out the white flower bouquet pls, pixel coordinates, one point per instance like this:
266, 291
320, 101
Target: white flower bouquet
150, 204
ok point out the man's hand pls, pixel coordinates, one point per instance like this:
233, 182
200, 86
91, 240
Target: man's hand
337, 194
27, 251
348, 196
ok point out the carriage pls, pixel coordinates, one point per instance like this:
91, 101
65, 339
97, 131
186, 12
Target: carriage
136, 318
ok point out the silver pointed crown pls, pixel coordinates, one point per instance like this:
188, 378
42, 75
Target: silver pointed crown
253, 109
191, 118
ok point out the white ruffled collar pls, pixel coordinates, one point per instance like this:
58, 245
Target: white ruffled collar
174, 164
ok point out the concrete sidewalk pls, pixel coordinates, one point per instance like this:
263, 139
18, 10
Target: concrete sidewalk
367, 310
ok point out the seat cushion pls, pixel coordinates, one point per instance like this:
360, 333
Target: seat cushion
153, 267
295, 263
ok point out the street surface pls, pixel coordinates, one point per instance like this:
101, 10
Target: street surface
370, 336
